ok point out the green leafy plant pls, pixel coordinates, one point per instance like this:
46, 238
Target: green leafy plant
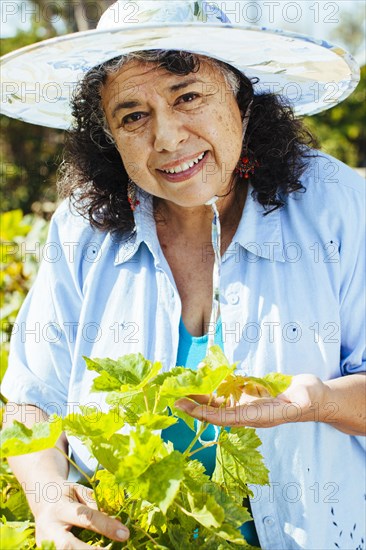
171, 502
21, 241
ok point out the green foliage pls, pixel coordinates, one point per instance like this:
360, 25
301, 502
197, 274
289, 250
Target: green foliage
30, 157
15, 535
13, 504
171, 503
21, 241
17, 439
340, 130
30, 154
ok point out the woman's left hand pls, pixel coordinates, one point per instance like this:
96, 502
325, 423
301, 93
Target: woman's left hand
304, 400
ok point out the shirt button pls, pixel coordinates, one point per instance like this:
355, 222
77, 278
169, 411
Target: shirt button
233, 299
269, 521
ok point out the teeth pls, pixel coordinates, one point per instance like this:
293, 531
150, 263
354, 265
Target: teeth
185, 165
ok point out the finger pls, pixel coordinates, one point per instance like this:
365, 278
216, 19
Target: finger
207, 399
255, 390
258, 413
85, 495
220, 416
246, 398
99, 522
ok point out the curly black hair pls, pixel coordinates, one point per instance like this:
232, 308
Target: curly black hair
92, 173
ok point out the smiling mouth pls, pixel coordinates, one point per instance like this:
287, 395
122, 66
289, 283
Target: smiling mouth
185, 166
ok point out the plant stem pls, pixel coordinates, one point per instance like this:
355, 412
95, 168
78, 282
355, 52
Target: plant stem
135, 526
75, 466
146, 400
210, 444
195, 439
95, 472
156, 400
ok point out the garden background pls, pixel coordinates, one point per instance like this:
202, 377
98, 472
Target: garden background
31, 154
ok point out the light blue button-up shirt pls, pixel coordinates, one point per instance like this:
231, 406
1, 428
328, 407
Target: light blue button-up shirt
292, 300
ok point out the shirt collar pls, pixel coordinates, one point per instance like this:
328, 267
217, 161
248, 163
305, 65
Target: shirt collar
260, 235
145, 231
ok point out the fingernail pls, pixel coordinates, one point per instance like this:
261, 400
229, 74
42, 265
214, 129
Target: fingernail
122, 534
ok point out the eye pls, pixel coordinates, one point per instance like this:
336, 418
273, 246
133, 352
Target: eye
188, 97
132, 118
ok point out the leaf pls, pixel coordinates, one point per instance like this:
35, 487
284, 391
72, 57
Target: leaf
110, 452
206, 510
216, 358
269, 386
144, 447
235, 513
153, 520
160, 378
238, 462
110, 494
163, 480
17, 439
14, 534
130, 371
278, 381
198, 483
195, 478
213, 369
156, 421
189, 420
105, 383
232, 386
179, 537
134, 403
13, 504
203, 381
92, 423
229, 533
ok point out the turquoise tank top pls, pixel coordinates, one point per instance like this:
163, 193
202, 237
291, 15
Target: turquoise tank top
191, 351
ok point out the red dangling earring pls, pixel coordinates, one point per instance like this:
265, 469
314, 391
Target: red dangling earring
131, 194
246, 166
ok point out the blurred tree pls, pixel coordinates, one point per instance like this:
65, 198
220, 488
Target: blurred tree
30, 154
352, 29
340, 130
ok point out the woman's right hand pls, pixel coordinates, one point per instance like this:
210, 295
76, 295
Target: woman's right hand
76, 507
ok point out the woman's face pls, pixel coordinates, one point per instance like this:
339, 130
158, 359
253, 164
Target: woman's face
179, 137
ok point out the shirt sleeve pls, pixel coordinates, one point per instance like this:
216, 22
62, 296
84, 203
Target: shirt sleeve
353, 264
41, 347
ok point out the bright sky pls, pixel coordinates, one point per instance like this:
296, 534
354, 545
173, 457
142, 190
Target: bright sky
316, 18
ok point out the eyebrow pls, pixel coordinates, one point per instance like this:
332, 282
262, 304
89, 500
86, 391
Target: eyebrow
125, 105
131, 104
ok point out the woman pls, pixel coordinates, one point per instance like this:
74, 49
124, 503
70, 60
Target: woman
165, 145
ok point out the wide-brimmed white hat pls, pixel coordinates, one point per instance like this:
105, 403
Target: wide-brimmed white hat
38, 81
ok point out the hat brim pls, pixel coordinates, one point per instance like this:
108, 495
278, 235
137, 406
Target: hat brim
313, 75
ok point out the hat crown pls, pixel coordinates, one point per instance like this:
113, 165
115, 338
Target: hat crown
127, 13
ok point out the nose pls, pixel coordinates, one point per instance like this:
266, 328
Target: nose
169, 131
